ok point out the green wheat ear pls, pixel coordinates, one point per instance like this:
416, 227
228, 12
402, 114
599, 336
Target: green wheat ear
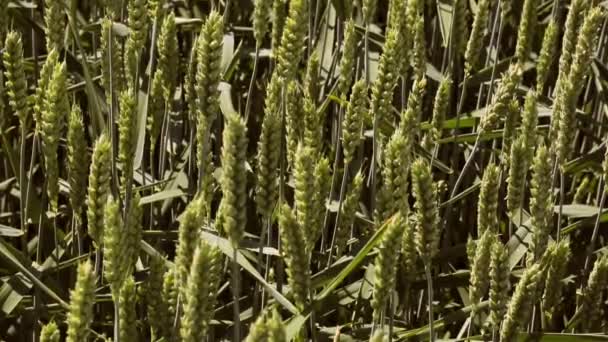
348, 214
348, 60
592, 293
278, 17
54, 20
296, 259
520, 305
502, 99
78, 161
190, 222
478, 32
311, 79
82, 299
556, 271
488, 201
127, 311
268, 157
261, 16
16, 84
127, 135
168, 56
208, 66
169, 299
546, 55
499, 283
156, 308
46, 72
525, 33
55, 108
354, 117
138, 22
99, 187
440, 108
541, 201
479, 280
518, 165
304, 191
112, 73
427, 214
50, 333
395, 173
510, 128
289, 53
419, 55
368, 9
200, 293
114, 247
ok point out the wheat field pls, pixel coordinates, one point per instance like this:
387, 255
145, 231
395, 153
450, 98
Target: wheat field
303, 170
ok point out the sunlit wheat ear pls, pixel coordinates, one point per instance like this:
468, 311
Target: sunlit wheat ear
311, 79
541, 201
261, 16
234, 178
479, 280
348, 214
592, 293
304, 191
529, 123
278, 17
156, 111
502, 98
440, 108
46, 72
585, 48
499, 283
50, 333
488, 201
525, 33
294, 113
520, 305
127, 311
574, 20
190, 223
99, 187
385, 265
427, 215
546, 55
138, 22
268, 157
16, 84
134, 229
294, 254
55, 109
386, 80
290, 51
54, 20
116, 265
200, 293
348, 60
168, 56
398, 19
112, 74
156, 308
313, 126
354, 117
204, 160
82, 299
476, 38
395, 173
517, 175
78, 161
208, 67
127, 135
556, 271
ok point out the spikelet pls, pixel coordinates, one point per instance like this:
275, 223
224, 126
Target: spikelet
520, 305
546, 55
502, 99
82, 298
168, 56
99, 187
395, 173
268, 157
419, 55
78, 160
189, 225
386, 81
525, 33
311, 80
304, 191
294, 254
204, 160
294, 114
290, 51
487, 205
116, 266
126, 311
574, 83
201, 293
478, 32
16, 84
208, 67
157, 310
427, 214
517, 175
112, 72
479, 280
348, 214
54, 20
127, 134
55, 109
499, 283
138, 22
43, 82
529, 122
541, 201
556, 271
440, 108
50, 333
385, 266
354, 116
592, 293
347, 62
278, 16
261, 14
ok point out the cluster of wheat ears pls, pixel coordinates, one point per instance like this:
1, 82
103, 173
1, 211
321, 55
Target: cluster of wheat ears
277, 170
